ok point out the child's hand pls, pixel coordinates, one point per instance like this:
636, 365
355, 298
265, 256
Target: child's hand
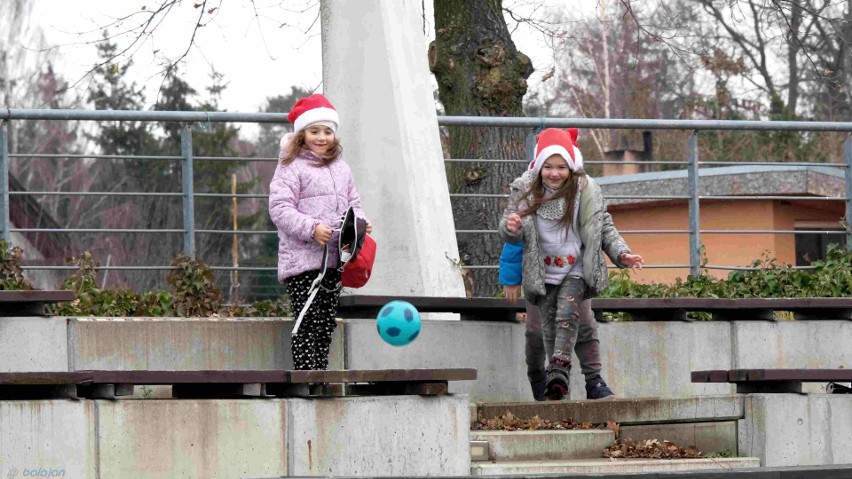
632, 261
511, 292
513, 223
369, 227
322, 234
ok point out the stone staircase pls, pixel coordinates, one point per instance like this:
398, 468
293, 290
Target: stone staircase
707, 422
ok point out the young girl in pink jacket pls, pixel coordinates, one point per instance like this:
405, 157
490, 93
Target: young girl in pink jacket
310, 191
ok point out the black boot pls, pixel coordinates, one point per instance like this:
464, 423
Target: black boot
539, 387
558, 385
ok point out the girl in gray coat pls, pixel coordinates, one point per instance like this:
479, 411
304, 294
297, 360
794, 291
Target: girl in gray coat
560, 215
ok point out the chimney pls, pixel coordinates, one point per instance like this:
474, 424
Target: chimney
618, 157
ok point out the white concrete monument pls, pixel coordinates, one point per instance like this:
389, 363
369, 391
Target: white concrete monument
375, 73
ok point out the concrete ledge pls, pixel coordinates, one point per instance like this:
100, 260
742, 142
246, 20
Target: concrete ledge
626, 411
642, 359
55, 435
545, 444
797, 430
792, 344
391, 436
33, 344
190, 438
496, 350
708, 437
612, 466
186, 344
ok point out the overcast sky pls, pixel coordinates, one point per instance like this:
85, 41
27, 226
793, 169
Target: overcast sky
258, 56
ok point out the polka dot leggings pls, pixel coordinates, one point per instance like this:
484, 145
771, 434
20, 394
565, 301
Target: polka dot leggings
310, 346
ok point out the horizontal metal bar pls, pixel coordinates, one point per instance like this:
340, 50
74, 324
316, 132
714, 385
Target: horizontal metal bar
477, 195
478, 121
90, 193
766, 163
147, 268
585, 162
791, 198
232, 158
91, 230
797, 232
747, 268
642, 124
104, 268
645, 266
239, 232
662, 232
608, 197
140, 115
230, 195
94, 157
105, 193
482, 160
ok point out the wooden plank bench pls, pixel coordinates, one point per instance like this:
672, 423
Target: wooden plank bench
470, 309
30, 303
99, 384
739, 309
771, 380
639, 309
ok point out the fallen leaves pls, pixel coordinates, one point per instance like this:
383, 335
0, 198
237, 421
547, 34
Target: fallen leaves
510, 422
650, 449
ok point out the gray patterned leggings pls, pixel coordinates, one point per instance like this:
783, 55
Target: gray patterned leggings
310, 347
587, 346
560, 319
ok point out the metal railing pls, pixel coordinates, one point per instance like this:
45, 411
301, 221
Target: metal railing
189, 196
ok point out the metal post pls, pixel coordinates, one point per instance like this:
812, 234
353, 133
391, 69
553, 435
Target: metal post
847, 154
188, 193
5, 224
694, 224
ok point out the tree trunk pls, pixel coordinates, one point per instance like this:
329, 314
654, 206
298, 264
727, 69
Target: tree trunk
479, 73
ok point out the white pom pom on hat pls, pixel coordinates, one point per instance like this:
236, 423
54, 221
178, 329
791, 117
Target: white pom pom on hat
311, 110
555, 141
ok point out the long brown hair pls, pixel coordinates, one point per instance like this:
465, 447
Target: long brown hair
297, 144
568, 191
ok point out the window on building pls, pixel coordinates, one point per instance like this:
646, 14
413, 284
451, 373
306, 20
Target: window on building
811, 247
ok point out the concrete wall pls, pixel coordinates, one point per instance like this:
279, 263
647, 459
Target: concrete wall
50, 435
372, 436
33, 344
175, 344
496, 350
379, 436
191, 438
797, 430
640, 359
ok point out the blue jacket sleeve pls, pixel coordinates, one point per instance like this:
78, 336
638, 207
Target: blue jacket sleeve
511, 259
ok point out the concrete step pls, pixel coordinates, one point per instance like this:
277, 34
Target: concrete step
609, 466
544, 444
624, 411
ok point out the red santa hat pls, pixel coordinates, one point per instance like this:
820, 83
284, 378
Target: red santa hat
312, 110
554, 141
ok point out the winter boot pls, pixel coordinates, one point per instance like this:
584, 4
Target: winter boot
557, 380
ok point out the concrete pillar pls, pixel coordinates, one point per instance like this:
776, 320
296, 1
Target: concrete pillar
375, 73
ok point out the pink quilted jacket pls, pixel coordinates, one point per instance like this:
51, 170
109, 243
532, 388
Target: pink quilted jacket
302, 196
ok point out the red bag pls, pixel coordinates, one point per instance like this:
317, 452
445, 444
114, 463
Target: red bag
357, 251
357, 271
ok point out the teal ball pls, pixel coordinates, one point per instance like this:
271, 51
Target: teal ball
398, 323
